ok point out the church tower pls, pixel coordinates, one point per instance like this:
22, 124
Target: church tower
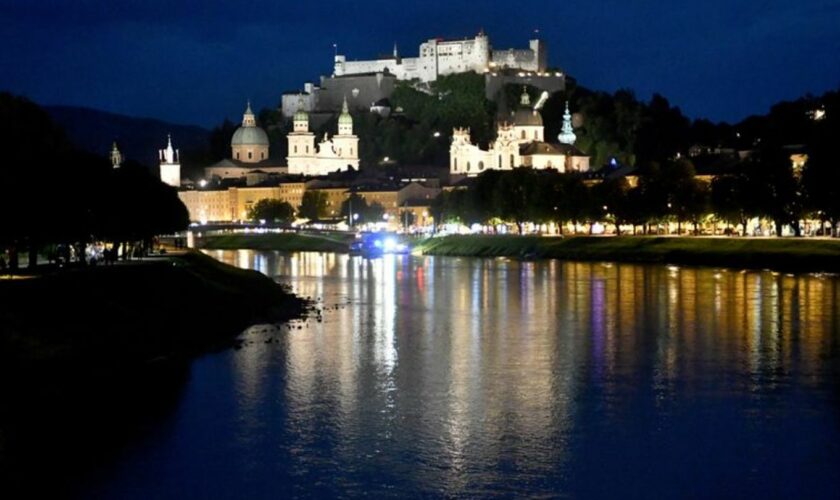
346, 144
170, 165
116, 156
567, 135
301, 142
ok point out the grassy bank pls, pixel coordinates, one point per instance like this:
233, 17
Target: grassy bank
285, 242
784, 254
134, 312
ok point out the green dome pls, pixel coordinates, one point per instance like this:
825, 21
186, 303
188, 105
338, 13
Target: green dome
249, 136
345, 119
301, 116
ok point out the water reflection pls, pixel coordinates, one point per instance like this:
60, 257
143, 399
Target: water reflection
465, 377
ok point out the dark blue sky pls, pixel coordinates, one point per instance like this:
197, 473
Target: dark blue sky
197, 62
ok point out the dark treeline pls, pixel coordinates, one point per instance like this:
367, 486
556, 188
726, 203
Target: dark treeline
55, 196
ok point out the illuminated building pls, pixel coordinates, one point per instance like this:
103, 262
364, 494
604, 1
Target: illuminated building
170, 164
249, 148
437, 57
337, 154
519, 142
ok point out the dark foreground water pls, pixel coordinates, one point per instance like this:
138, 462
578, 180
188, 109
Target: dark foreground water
432, 376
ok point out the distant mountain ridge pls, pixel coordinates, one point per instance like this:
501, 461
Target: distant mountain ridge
139, 139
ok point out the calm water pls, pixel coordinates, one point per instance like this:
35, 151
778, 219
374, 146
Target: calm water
467, 377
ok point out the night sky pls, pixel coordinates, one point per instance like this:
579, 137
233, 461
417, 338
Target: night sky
197, 62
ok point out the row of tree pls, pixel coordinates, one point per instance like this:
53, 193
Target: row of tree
766, 186
57, 195
314, 207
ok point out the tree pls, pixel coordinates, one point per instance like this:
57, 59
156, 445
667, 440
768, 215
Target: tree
730, 200
821, 175
313, 205
272, 210
514, 196
775, 188
611, 198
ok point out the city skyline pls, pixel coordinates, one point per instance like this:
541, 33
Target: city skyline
198, 66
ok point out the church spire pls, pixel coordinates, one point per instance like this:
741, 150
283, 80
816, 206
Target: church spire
345, 120
567, 135
170, 165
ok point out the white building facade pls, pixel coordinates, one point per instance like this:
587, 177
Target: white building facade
339, 153
520, 142
170, 164
437, 56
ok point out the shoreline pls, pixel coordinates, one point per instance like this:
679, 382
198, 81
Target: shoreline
134, 314
778, 254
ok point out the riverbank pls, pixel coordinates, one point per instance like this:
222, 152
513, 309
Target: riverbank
128, 314
783, 254
283, 242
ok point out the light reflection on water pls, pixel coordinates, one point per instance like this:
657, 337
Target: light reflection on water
469, 377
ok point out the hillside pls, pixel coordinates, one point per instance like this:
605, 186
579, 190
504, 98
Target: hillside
139, 139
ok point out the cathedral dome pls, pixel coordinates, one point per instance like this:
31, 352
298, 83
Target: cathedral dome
527, 118
247, 136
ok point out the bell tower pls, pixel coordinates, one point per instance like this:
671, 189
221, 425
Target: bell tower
170, 165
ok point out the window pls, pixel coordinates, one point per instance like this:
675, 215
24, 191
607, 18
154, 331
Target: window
523, 134
500, 161
455, 164
468, 166
481, 165
536, 137
295, 148
511, 161
237, 156
262, 155
307, 149
250, 155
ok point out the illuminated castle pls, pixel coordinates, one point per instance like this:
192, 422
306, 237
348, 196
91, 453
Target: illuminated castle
437, 56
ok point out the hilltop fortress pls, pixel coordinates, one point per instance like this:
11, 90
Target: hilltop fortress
437, 56
368, 84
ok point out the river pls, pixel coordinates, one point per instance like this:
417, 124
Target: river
464, 377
